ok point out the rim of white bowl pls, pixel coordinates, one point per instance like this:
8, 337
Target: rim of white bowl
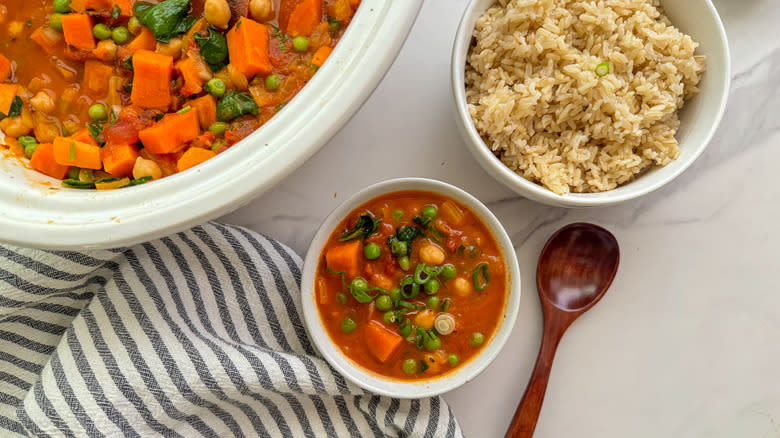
372, 381
36, 215
526, 188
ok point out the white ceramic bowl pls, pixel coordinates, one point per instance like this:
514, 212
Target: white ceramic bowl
397, 388
36, 212
699, 118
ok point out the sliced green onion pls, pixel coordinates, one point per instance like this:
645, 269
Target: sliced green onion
76, 184
420, 275
602, 69
184, 110
72, 152
409, 289
445, 305
481, 268
139, 181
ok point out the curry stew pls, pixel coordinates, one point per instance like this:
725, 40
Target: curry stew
411, 285
111, 93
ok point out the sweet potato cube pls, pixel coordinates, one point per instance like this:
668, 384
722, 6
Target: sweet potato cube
152, 80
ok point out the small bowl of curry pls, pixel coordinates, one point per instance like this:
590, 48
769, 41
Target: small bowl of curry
410, 288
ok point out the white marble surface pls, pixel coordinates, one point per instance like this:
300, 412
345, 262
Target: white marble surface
687, 341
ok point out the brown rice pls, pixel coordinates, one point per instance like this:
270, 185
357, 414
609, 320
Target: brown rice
535, 97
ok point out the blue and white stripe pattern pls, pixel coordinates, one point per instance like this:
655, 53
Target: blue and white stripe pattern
196, 334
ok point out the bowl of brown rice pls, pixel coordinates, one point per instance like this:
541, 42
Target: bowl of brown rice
583, 103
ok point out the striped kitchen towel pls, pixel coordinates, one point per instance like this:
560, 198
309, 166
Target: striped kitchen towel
196, 334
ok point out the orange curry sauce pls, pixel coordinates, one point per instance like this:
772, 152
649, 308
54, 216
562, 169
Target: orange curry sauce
465, 243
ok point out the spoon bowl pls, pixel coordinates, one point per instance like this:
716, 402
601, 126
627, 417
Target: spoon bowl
567, 275
576, 267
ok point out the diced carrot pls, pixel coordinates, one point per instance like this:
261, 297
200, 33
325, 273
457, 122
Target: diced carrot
170, 133
93, 5
306, 15
43, 161
70, 152
190, 72
83, 135
5, 68
192, 157
321, 55
248, 48
47, 38
119, 159
206, 106
340, 9
381, 342
452, 212
152, 80
96, 76
77, 29
354, 4
344, 257
7, 95
125, 7
144, 41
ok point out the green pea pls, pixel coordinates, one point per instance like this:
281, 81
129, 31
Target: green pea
431, 287
348, 325
476, 339
406, 328
447, 272
431, 341
395, 296
433, 302
398, 215
341, 298
101, 31
98, 113
272, 82
216, 87
55, 21
300, 44
359, 285
389, 317
134, 25
218, 128
453, 359
61, 6
120, 35
403, 262
29, 144
398, 248
409, 366
430, 211
384, 303
372, 251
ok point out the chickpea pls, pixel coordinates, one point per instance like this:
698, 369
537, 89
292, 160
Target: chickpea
43, 102
14, 127
172, 48
217, 13
261, 10
15, 29
425, 319
431, 255
462, 286
144, 167
109, 48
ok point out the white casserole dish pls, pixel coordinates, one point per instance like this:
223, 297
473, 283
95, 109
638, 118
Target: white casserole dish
36, 212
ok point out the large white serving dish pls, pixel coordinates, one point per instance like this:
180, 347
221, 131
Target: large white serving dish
36, 212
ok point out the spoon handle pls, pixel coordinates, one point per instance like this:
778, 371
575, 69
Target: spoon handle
527, 414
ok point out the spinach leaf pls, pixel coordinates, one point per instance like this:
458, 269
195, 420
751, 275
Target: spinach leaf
365, 226
165, 19
213, 48
96, 128
234, 105
408, 234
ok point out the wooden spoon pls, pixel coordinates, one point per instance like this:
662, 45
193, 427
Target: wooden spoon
575, 269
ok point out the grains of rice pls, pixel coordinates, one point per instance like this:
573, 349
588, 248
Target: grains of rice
535, 98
